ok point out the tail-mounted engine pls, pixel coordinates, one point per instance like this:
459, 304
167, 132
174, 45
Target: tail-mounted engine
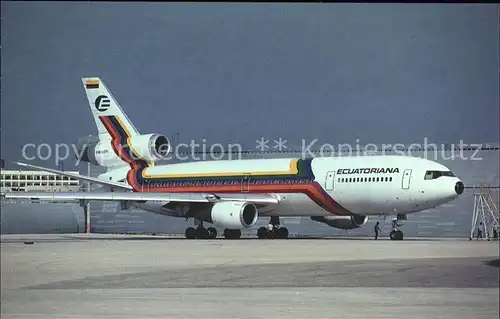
149, 147
342, 222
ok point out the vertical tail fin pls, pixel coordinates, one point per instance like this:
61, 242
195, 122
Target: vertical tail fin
102, 103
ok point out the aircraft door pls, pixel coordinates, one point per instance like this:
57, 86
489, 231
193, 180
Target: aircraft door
245, 183
145, 186
405, 183
330, 181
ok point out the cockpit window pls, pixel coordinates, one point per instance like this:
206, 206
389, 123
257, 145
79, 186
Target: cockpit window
436, 174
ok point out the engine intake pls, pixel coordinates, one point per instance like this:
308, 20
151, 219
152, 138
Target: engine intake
342, 222
150, 147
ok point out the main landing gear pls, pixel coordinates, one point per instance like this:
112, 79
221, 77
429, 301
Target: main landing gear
277, 232
201, 232
397, 234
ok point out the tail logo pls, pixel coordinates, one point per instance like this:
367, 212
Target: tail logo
102, 103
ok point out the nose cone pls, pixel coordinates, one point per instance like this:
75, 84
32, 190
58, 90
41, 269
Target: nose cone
459, 188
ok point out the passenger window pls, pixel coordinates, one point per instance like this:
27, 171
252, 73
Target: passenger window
390, 179
386, 179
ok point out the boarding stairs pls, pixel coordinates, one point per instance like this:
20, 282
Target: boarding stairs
486, 211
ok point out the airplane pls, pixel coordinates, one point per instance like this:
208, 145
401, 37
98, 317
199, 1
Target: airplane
341, 192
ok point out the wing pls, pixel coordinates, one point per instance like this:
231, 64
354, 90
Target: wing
144, 197
113, 185
134, 196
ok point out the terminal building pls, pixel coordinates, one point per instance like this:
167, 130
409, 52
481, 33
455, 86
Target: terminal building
39, 216
37, 181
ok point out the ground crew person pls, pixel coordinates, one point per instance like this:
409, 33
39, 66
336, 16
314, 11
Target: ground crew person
377, 229
480, 231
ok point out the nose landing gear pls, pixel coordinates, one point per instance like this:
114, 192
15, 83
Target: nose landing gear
397, 234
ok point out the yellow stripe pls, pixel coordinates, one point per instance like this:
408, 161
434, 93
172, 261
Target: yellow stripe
128, 140
90, 82
292, 170
123, 126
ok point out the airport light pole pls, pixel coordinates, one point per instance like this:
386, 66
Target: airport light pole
87, 205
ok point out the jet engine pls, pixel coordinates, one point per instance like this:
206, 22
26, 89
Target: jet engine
150, 147
232, 215
342, 222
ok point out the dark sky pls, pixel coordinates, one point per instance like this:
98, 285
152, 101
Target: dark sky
395, 73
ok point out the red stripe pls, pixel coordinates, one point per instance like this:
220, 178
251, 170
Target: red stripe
116, 143
310, 190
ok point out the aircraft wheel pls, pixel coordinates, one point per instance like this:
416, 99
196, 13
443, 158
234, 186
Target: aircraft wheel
399, 235
393, 235
190, 233
237, 234
282, 233
396, 235
262, 232
202, 233
212, 232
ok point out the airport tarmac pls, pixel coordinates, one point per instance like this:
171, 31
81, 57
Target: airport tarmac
88, 277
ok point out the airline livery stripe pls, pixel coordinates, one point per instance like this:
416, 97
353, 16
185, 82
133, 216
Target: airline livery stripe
120, 139
298, 178
302, 180
313, 190
292, 170
125, 135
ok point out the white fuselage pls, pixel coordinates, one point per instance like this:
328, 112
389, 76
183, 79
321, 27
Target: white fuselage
364, 185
